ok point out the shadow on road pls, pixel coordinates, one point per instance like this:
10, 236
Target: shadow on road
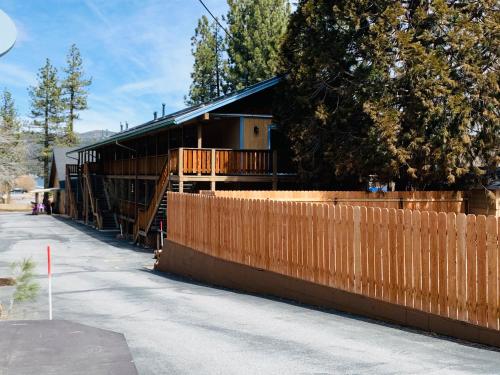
107, 237
187, 280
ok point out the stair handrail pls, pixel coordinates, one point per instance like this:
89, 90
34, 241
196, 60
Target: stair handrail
93, 202
146, 217
69, 195
71, 169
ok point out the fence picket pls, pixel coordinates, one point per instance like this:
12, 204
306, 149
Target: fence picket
492, 247
451, 293
481, 269
408, 258
471, 269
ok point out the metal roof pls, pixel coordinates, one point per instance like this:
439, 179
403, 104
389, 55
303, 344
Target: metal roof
60, 158
186, 114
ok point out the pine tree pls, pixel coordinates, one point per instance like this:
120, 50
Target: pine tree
12, 148
74, 94
405, 90
207, 48
47, 112
8, 113
437, 119
256, 30
320, 104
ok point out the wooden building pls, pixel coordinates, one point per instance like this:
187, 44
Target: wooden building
230, 142
57, 177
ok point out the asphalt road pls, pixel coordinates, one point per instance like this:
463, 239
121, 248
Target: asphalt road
173, 325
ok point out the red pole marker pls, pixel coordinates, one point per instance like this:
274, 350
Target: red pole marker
49, 272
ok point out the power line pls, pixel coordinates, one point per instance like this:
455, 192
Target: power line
215, 19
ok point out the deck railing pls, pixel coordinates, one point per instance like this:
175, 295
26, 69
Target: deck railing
145, 165
145, 216
206, 161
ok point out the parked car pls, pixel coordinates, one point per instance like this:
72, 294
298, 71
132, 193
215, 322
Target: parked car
18, 191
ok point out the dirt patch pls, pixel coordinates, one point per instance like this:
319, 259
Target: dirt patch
7, 281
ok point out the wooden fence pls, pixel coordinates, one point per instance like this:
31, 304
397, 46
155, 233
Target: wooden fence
440, 263
446, 201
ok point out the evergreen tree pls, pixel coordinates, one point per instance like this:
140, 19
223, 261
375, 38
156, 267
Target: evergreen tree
320, 106
8, 113
74, 94
256, 30
407, 90
12, 148
47, 112
207, 48
437, 118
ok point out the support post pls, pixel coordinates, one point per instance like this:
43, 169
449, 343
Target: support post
212, 170
199, 134
181, 170
198, 161
275, 170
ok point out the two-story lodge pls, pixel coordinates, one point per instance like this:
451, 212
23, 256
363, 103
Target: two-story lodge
229, 143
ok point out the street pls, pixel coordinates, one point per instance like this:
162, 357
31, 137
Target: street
178, 326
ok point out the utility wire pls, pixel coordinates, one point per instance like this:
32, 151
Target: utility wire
215, 18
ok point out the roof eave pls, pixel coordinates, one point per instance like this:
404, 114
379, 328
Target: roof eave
184, 117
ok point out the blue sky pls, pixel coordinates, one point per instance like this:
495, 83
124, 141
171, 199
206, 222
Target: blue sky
137, 52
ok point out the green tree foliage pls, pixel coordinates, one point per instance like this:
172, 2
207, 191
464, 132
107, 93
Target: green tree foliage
207, 48
12, 148
74, 93
256, 30
47, 112
407, 90
8, 113
321, 102
26, 287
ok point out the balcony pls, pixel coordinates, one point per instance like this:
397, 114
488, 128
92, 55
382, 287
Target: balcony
221, 162
199, 164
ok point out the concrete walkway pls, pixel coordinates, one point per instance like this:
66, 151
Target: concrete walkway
177, 326
59, 347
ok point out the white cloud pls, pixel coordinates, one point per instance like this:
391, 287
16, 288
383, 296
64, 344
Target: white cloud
15, 75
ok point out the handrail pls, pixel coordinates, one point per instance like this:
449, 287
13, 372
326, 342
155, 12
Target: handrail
146, 217
69, 196
225, 162
93, 202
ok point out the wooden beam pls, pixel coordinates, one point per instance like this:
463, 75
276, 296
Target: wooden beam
199, 135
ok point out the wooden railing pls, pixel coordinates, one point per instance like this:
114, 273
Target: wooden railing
439, 263
145, 217
71, 169
146, 165
206, 161
72, 208
93, 201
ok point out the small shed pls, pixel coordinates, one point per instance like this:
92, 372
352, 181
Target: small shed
57, 177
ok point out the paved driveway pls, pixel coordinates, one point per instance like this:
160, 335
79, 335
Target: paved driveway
173, 325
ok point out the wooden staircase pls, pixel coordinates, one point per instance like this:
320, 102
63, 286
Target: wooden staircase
73, 194
156, 208
89, 197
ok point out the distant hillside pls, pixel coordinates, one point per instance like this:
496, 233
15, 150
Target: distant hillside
93, 136
33, 147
